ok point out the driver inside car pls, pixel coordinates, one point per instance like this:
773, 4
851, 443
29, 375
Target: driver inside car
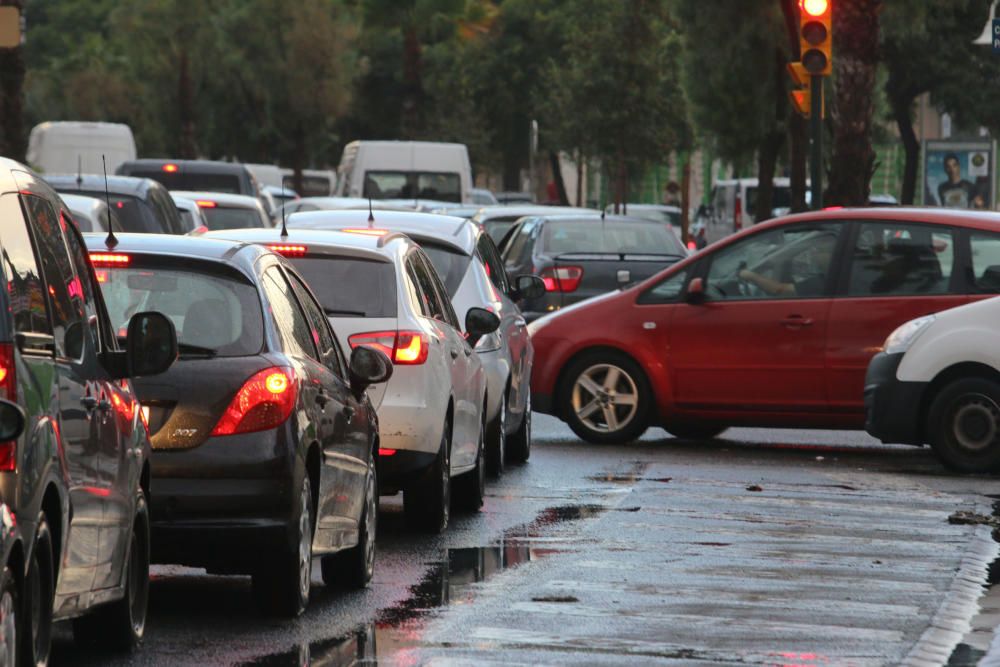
809, 284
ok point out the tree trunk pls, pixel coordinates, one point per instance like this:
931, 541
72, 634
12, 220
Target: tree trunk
412, 86
767, 161
557, 178
579, 178
185, 109
798, 146
12, 135
901, 106
855, 49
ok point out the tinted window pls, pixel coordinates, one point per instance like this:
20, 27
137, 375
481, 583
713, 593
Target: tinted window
441, 186
232, 218
78, 255
518, 250
133, 213
985, 261
433, 281
450, 265
349, 286
312, 186
899, 259
295, 332
321, 334
560, 237
180, 180
29, 309
494, 265
208, 310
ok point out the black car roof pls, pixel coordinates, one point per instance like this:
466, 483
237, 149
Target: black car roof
190, 166
117, 185
237, 254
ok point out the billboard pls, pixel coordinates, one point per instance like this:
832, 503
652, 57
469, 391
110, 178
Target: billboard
959, 174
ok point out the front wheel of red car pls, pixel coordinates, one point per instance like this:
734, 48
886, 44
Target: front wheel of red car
605, 398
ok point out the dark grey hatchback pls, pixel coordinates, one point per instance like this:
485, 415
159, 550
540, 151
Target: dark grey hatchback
264, 441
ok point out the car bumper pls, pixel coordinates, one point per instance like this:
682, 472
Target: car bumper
892, 407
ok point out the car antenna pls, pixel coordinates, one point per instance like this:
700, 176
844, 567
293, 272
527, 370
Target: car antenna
284, 227
371, 214
110, 241
79, 171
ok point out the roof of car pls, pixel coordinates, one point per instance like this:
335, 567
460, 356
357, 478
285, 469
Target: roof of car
489, 212
118, 185
340, 203
83, 202
458, 234
321, 241
948, 216
192, 166
235, 253
223, 198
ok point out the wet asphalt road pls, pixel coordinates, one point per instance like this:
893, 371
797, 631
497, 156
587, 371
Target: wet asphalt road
762, 547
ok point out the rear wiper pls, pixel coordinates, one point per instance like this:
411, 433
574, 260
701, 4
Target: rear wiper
189, 350
333, 312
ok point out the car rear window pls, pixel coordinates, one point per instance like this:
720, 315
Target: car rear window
440, 186
133, 213
450, 265
560, 237
213, 313
347, 286
220, 217
197, 182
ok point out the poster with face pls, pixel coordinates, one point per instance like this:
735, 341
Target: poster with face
959, 174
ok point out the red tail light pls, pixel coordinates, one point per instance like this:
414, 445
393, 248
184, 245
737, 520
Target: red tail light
289, 250
8, 390
206, 203
106, 259
562, 278
382, 451
405, 348
170, 168
264, 401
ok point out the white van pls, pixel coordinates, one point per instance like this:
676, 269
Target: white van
69, 147
732, 204
406, 170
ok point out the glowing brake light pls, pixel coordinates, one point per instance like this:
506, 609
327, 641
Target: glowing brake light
264, 401
367, 232
289, 250
692, 245
8, 390
561, 278
205, 203
383, 451
404, 348
170, 168
107, 259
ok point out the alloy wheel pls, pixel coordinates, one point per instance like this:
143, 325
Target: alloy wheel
605, 398
305, 541
371, 522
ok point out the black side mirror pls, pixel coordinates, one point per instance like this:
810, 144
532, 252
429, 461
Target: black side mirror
478, 323
528, 287
151, 345
695, 292
12, 420
368, 366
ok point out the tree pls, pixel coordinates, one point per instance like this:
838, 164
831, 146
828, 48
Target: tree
855, 47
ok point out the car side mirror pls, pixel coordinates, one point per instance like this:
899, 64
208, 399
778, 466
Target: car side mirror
528, 287
478, 323
368, 366
12, 420
695, 292
150, 345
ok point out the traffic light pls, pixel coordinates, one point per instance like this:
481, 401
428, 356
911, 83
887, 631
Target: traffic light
800, 95
815, 36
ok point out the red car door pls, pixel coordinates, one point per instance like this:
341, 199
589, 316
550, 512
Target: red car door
898, 271
754, 348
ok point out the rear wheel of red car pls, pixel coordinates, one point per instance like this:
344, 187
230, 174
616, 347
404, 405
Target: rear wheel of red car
964, 425
695, 431
605, 398
38, 595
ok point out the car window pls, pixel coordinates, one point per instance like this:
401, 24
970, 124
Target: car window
350, 285
166, 210
321, 334
78, 255
193, 182
440, 186
451, 266
447, 310
791, 262
889, 258
296, 334
494, 265
667, 290
29, 308
431, 305
221, 217
518, 249
985, 249
561, 237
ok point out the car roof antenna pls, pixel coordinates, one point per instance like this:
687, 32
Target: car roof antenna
284, 227
79, 171
110, 241
371, 214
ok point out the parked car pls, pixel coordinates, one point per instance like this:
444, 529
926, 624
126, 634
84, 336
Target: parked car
264, 442
79, 147
469, 265
498, 220
74, 485
432, 412
191, 214
142, 205
580, 257
91, 214
771, 327
405, 170
482, 197
225, 211
937, 381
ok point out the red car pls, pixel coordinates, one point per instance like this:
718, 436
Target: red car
771, 327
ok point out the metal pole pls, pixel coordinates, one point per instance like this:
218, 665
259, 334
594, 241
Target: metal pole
816, 134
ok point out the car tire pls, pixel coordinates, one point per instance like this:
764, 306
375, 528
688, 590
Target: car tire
353, 568
470, 488
281, 586
39, 590
963, 425
696, 431
587, 391
121, 624
427, 502
10, 617
519, 443
496, 440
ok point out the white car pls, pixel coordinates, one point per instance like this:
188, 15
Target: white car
91, 214
380, 289
228, 211
193, 217
937, 381
473, 273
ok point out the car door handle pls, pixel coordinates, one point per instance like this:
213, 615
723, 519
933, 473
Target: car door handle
348, 412
797, 321
454, 352
322, 399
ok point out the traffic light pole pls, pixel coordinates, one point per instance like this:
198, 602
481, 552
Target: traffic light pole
816, 137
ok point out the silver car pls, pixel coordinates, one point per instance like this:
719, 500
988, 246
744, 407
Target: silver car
469, 264
381, 290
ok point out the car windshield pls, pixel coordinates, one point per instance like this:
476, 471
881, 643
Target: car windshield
440, 186
133, 213
220, 217
560, 237
351, 287
213, 314
196, 182
450, 265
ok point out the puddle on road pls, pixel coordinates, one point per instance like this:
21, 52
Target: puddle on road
396, 630
976, 643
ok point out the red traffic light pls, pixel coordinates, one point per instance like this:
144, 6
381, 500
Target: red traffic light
814, 7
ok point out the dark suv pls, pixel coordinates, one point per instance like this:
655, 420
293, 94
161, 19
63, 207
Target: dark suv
198, 176
142, 205
74, 527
